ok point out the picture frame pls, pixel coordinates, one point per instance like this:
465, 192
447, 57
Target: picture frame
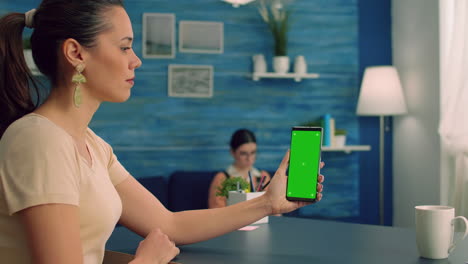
201, 37
190, 81
158, 38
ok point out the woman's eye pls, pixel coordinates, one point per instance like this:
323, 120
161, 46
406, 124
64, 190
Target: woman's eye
125, 48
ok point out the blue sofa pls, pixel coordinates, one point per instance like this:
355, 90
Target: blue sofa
182, 190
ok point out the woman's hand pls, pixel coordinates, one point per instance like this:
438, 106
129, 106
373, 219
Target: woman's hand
156, 248
276, 194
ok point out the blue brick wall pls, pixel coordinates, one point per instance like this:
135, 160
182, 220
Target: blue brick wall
153, 134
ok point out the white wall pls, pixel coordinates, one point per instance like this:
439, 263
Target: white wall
416, 153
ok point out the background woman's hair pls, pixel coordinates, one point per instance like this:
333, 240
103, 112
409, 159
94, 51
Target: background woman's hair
54, 22
240, 137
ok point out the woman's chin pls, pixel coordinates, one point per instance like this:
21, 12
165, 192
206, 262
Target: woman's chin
121, 99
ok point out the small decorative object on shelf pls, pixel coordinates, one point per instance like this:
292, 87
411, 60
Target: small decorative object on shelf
259, 63
339, 138
300, 65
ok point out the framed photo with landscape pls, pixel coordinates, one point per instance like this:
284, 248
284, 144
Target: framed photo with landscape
190, 81
158, 35
201, 37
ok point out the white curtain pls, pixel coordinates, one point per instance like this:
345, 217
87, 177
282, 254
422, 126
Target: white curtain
453, 127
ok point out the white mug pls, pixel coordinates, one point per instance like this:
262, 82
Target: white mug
435, 230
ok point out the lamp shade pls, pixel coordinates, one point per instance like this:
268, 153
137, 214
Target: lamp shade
381, 93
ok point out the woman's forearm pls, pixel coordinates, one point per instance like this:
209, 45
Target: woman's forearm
199, 225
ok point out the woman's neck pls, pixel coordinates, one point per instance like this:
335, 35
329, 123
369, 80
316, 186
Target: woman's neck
59, 108
244, 171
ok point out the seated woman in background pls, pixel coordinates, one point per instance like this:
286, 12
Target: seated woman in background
243, 150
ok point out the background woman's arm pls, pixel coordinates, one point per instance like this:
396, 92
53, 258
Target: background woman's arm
213, 200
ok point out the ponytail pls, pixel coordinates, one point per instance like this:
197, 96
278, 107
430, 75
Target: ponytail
15, 76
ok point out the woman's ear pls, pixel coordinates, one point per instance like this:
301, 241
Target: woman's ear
73, 52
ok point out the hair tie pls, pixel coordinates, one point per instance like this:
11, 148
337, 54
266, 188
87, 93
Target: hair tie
29, 18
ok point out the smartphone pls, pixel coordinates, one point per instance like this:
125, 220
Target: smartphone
304, 163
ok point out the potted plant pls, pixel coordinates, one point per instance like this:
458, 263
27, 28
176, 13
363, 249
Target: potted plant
229, 189
276, 15
231, 184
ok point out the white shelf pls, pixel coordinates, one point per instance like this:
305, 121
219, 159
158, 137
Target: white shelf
347, 148
296, 76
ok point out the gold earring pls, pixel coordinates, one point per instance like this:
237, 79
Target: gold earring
77, 79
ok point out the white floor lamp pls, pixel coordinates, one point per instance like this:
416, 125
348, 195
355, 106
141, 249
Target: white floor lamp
381, 95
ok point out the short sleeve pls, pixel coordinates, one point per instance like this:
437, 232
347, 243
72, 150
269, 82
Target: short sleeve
38, 166
117, 172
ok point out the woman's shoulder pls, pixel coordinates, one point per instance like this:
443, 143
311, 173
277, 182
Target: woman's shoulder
219, 177
31, 136
34, 128
221, 174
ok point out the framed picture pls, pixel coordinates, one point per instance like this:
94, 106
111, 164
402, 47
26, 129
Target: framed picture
190, 80
158, 35
201, 37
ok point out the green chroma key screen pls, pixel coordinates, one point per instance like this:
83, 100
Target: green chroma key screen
304, 163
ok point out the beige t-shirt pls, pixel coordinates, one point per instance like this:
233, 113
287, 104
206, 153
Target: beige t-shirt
40, 164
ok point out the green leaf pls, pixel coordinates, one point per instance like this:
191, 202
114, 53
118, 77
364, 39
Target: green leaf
230, 184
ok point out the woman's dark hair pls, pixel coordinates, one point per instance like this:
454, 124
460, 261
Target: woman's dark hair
240, 137
53, 23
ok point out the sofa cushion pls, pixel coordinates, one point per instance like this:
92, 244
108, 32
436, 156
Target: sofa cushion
158, 186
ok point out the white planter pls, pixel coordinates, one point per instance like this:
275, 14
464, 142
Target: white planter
300, 65
339, 141
237, 197
281, 64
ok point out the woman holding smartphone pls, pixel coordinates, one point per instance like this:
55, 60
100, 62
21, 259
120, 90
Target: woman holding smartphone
62, 189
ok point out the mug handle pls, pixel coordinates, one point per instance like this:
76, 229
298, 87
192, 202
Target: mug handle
465, 221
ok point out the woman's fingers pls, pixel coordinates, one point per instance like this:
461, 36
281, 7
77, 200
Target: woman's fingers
321, 178
284, 164
319, 187
319, 196
322, 164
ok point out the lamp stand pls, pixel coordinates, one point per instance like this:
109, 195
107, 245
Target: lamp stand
381, 169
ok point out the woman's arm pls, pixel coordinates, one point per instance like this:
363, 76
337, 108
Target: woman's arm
53, 233
215, 201
142, 212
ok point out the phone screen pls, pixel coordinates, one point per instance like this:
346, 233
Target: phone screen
304, 163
